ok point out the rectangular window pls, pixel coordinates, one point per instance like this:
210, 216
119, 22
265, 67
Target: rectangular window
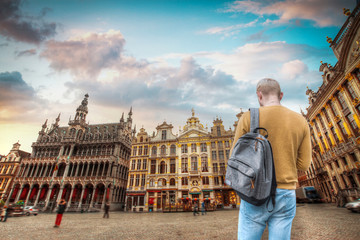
222, 168
144, 164
341, 99
218, 131
137, 182
140, 150
184, 148
153, 167
203, 147
143, 179
193, 147
5, 183
215, 167
133, 163
205, 180
221, 155
172, 165
138, 164
341, 125
216, 181
163, 135
321, 121
327, 138
134, 151
204, 164
334, 109
141, 201
351, 119
131, 180
335, 135
213, 145
184, 165
145, 150
350, 90
326, 114
227, 144
194, 164
213, 155
184, 181
220, 145
227, 154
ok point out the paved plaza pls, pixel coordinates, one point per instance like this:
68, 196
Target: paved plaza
321, 221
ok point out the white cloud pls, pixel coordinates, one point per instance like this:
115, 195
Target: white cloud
292, 69
230, 30
323, 13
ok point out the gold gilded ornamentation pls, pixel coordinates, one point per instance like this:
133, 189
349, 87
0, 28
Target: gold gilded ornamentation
355, 101
346, 12
329, 40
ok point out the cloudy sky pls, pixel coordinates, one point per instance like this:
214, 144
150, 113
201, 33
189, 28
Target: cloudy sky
163, 58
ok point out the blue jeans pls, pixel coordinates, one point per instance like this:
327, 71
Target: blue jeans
253, 219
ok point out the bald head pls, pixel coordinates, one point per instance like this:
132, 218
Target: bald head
269, 92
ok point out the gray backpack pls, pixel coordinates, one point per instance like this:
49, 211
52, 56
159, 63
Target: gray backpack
250, 171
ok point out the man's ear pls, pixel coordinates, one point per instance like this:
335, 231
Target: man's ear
281, 96
259, 95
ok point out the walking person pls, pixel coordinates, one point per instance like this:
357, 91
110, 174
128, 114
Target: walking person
196, 210
106, 210
4, 214
203, 210
60, 212
289, 135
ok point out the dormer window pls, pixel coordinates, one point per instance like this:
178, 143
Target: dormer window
163, 135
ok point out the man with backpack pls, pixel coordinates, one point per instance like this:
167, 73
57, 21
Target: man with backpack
289, 135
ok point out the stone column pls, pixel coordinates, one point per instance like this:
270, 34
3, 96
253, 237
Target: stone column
108, 170
18, 194
69, 201
104, 199
11, 193
48, 197
37, 196
66, 170
81, 197
28, 195
92, 197
87, 170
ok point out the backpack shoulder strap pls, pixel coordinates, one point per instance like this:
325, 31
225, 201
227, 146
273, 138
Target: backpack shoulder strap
254, 119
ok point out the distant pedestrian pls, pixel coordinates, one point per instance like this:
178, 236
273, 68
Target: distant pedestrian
196, 209
4, 214
60, 211
106, 209
203, 210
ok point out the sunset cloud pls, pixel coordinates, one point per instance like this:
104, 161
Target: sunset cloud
14, 24
322, 13
17, 98
29, 52
86, 55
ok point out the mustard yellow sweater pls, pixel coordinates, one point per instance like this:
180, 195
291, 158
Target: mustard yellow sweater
289, 135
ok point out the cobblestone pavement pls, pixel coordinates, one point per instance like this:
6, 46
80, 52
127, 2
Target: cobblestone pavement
321, 221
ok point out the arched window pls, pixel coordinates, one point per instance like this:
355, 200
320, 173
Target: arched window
173, 149
163, 150
141, 139
151, 183
172, 182
162, 167
162, 182
153, 150
72, 132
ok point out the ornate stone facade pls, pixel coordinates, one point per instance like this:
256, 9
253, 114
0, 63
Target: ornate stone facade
9, 168
86, 164
177, 171
334, 117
